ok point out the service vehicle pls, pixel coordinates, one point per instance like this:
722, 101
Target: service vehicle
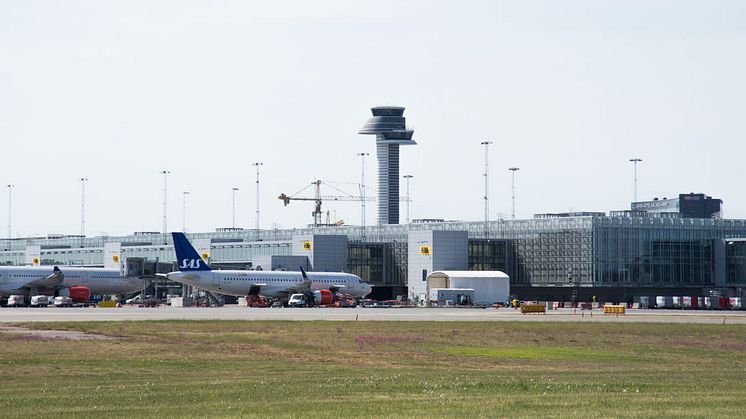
297, 300
16, 300
41, 300
63, 301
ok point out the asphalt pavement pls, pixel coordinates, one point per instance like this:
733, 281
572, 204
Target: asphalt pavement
51, 314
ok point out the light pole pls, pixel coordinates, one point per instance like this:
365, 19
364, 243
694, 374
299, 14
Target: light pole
486, 145
82, 211
165, 174
408, 177
513, 170
10, 211
233, 224
257, 164
362, 191
635, 161
183, 211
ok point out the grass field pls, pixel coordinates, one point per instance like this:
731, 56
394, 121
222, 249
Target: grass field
470, 369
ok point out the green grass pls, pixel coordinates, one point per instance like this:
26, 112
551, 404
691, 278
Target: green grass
470, 369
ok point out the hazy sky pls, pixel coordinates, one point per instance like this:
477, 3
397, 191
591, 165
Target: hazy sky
117, 91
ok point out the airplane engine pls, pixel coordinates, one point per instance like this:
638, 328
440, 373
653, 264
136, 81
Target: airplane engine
323, 297
79, 294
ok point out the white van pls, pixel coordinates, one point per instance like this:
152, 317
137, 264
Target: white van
297, 300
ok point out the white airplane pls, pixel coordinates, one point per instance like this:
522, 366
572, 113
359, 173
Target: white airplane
196, 272
77, 283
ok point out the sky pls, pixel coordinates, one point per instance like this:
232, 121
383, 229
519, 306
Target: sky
568, 91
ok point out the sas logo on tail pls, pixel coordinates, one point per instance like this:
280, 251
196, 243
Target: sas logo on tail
191, 264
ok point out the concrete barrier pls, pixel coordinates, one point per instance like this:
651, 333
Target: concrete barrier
533, 308
614, 309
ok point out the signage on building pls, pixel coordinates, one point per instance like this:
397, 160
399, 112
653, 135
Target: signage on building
307, 245
203, 247
664, 204
33, 255
426, 250
112, 255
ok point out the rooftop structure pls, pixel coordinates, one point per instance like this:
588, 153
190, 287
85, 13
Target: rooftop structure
389, 126
691, 205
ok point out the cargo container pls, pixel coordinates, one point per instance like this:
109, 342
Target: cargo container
644, 301
676, 302
724, 303
664, 301
735, 303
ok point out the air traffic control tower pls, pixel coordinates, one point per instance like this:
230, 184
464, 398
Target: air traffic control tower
389, 126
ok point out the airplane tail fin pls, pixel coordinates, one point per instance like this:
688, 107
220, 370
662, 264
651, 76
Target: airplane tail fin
303, 273
188, 258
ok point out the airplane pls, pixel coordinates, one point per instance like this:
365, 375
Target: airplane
77, 283
280, 284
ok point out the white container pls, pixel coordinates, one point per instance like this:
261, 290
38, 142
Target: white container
686, 302
450, 296
39, 301
735, 303
644, 301
676, 302
660, 301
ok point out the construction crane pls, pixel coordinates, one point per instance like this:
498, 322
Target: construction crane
318, 198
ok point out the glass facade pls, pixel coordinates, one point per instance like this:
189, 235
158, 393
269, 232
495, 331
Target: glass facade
488, 255
379, 264
587, 251
658, 252
735, 256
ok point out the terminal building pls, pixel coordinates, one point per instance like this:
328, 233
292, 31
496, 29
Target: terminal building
613, 257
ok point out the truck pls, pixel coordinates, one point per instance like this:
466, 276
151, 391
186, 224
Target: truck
16, 300
321, 298
41, 300
63, 301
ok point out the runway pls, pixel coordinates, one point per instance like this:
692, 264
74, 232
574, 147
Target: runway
53, 314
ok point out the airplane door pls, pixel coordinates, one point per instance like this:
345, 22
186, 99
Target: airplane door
216, 279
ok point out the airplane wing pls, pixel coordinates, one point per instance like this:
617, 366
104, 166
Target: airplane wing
303, 287
52, 281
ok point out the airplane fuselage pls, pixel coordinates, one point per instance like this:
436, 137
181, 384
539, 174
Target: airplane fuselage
270, 283
16, 279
